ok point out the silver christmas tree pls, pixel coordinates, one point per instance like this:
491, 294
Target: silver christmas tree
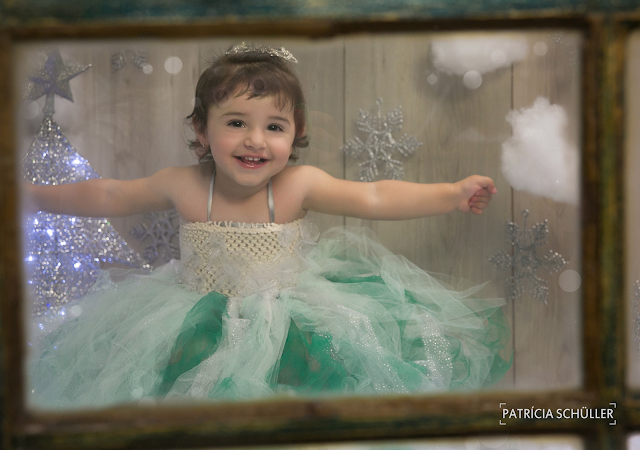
525, 260
63, 252
380, 144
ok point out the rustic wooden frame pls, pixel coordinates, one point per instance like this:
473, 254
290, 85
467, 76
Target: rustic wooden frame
345, 419
622, 26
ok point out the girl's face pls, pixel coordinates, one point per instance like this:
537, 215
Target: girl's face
250, 139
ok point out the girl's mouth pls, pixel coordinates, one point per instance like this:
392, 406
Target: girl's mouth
251, 162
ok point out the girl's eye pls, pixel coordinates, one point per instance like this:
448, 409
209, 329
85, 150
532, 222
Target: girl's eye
236, 123
274, 127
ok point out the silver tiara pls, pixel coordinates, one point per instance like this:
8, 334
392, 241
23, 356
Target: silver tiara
279, 52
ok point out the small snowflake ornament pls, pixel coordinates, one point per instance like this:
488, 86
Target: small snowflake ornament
380, 144
162, 229
120, 59
525, 260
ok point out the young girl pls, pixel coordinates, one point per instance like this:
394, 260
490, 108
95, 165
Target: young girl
256, 308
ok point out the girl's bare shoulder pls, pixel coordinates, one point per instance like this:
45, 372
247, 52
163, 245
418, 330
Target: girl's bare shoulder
298, 175
178, 184
299, 183
179, 176
188, 188
192, 171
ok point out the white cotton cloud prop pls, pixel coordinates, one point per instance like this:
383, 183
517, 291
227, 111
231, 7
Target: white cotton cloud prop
538, 158
459, 55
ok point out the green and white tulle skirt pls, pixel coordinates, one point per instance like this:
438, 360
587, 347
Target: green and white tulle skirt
359, 320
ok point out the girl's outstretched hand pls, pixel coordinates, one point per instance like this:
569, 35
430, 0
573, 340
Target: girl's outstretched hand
475, 193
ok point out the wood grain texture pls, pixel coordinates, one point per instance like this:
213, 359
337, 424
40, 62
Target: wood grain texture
11, 273
611, 211
548, 337
632, 209
285, 421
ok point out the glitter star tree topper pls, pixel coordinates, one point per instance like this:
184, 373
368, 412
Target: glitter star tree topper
63, 252
380, 144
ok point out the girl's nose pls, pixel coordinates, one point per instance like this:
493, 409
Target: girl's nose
255, 139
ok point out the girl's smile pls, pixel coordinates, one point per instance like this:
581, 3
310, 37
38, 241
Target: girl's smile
251, 162
250, 139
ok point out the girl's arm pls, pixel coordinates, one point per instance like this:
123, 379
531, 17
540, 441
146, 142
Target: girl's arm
102, 197
393, 200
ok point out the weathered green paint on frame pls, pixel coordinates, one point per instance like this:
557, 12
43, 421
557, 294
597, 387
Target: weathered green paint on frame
15, 12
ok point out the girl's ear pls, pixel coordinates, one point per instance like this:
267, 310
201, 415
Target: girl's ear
203, 140
201, 133
204, 148
299, 139
301, 133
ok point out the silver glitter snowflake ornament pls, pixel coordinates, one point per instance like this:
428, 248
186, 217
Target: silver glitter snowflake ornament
120, 59
162, 229
525, 260
380, 144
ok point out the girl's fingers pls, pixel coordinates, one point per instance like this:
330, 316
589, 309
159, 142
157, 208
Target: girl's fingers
483, 193
490, 186
483, 200
478, 204
479, 201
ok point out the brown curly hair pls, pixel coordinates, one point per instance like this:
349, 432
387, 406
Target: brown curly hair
258, 74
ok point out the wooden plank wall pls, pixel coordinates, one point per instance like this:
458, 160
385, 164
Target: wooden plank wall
548, 337
632, 212
129, 124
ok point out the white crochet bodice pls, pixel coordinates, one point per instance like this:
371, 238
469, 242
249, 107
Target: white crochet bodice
236, 258
239, 258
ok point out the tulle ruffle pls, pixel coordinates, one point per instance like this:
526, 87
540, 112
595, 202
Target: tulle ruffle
358, 320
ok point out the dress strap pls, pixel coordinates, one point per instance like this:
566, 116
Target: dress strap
272, 213
213, 177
